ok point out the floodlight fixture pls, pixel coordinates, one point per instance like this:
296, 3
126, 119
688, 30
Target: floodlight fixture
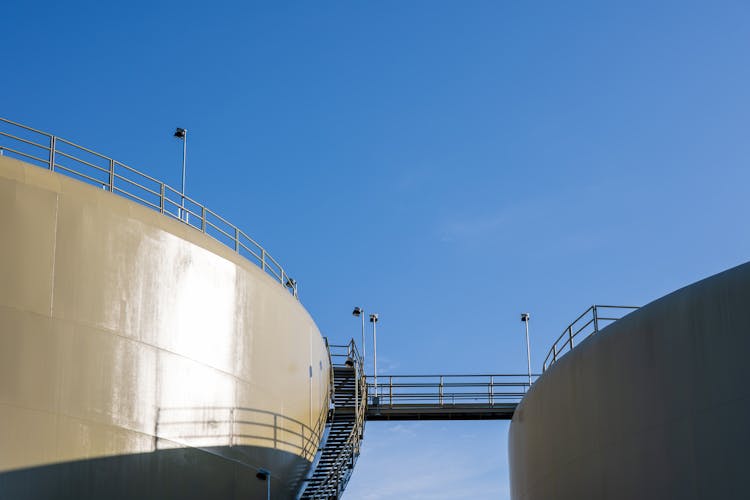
357, 313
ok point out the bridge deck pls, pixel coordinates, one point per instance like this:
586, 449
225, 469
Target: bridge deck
502, 411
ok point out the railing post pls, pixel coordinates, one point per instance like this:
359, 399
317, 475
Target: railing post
203, 218
263, 258
275, 427
156, 429
492, 390
596, 320
440, 399
390, 390
356, 391
231, 426
236, 239
111, 175
554, 353
161, 198
570, 337
52, 146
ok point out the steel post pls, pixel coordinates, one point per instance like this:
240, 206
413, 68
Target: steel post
111, 175
596, 320
570, 337
375, 355
364, 344
184, 158
52, 146
528, 350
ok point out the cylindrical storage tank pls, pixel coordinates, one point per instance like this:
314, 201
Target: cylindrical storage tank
140, 358
655, 406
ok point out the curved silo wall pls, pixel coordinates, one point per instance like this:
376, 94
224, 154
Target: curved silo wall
655, 406
141, 358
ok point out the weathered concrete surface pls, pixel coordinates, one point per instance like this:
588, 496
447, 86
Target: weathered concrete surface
655, 406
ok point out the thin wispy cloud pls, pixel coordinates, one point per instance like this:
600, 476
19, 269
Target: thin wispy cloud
560, 219
461, 228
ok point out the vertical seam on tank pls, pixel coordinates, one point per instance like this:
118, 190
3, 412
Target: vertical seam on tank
54, 255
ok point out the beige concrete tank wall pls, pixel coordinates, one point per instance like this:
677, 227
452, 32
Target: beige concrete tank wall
655, 406
118, 323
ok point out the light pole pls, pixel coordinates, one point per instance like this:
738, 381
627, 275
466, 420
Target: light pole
525, 317
181, 133
357, 313
374, 321
265, 475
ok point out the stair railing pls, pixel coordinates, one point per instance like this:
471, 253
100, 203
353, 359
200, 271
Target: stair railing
346, 458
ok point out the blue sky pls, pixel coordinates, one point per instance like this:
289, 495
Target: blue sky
446, 164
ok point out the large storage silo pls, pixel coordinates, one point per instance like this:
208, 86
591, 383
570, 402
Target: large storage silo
654, 406
141, 358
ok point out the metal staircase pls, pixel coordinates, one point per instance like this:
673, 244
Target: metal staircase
344, 428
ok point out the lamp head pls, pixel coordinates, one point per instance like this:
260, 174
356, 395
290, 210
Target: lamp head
357, 312
374, 318
180, 133
525, 317
263, 474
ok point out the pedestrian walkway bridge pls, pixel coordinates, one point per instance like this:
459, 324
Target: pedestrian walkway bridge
474, 397
445, 397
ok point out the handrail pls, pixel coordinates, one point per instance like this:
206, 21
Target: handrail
80, 163
448, 390
351, 353
593, 318
344, 461
235, 426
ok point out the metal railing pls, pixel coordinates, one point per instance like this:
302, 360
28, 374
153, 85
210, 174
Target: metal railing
445, 391
346, 459
349, 355
199, 427
589, 322
59, 155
